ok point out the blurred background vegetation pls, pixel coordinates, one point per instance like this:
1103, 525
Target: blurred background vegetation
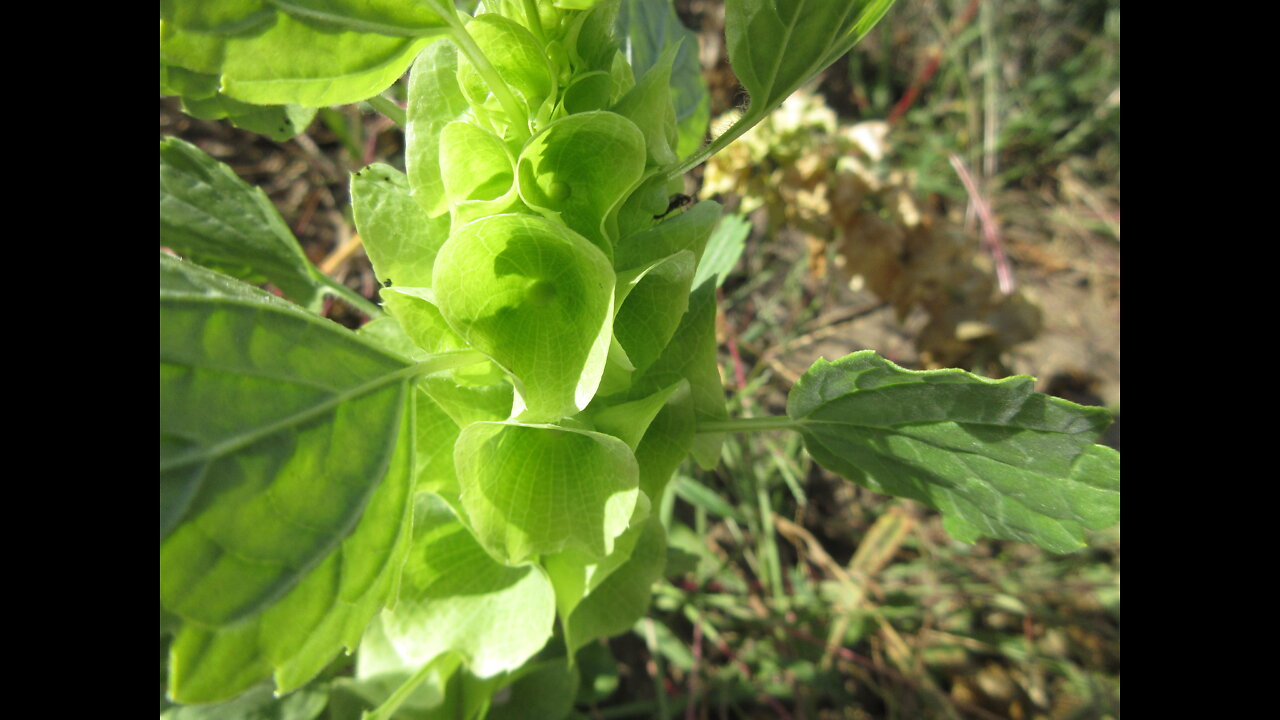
948, 194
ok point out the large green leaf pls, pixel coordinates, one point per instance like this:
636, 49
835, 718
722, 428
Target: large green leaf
326, 612
276, 427
997, 458
311, 53
209, 214
538, 489
202, 98
537, 298
285, 475
776, 46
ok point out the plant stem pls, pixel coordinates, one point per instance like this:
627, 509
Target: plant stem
353, 298
534, 20
778, 422
388, 107
497, 85
744, 123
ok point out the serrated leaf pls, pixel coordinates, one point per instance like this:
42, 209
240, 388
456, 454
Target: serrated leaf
201, 98
995, 457
538, 489
775, 46
212, 216
326, 611
313, 54
276, 429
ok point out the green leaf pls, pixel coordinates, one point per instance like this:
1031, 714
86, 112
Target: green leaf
257, 704
478, 172
580, 169
995, 457
655, 301
688, 230
723, 250
305, 63
538, 489
201, 98
623, 597
647, 28
544, 690
595, 48
775, 46
435, 100
691, 355
385, 685
276, 429
648, 105
415, 308
400, 238
325, 612
538, 299
327, 52
574, 574
516, 56
630, 420
589, 92
386, 17
454, 597
212, 216
667, 441
219, 17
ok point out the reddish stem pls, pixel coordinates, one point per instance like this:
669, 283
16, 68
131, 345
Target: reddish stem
990, 231
931, 66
